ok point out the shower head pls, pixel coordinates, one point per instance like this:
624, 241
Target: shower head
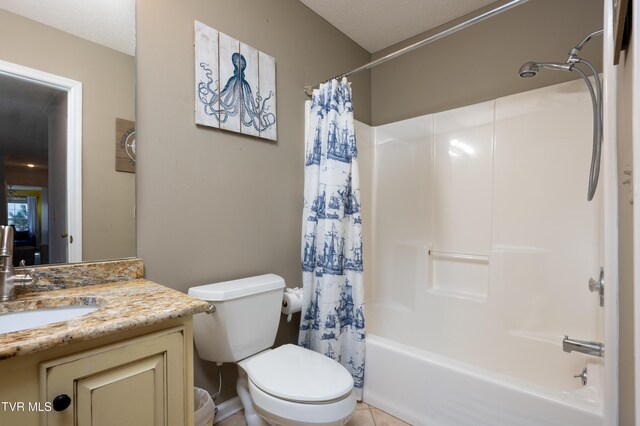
530, 69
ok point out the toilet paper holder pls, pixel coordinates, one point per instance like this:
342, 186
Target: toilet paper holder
291, 302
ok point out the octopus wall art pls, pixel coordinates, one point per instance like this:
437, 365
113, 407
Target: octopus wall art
235, 85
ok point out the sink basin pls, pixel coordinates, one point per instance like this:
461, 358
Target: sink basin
16, 321
18, 315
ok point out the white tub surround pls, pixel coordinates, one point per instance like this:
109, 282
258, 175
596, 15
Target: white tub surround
483, 243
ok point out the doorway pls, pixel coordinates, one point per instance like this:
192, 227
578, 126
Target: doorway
40, 164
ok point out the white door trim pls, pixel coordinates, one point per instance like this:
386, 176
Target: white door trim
635, 109
74, 145
609, 188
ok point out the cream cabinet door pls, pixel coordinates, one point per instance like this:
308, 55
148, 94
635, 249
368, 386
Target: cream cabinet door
136, 382
132, 394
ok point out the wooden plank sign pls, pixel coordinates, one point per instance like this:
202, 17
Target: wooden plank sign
248, 110
267, 90
207, 89
235, 85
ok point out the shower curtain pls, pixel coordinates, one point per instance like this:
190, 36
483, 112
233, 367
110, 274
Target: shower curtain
332, 320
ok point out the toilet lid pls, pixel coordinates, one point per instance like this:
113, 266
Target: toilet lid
297, 374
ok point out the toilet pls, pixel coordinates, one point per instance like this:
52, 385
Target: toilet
288, 385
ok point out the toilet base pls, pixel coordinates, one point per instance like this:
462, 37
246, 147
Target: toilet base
242, 387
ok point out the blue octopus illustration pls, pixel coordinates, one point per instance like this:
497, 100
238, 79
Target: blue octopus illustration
236, 98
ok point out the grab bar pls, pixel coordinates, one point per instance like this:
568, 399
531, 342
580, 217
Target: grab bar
459, 256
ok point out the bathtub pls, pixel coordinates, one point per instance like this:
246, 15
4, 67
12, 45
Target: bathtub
424, 388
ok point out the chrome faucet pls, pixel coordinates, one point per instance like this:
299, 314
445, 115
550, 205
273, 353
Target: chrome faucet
583, 346
583, 376
8, 278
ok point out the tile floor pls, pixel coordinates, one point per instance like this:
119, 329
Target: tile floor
365, 415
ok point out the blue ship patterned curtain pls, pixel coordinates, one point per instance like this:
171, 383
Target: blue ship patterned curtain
333, 304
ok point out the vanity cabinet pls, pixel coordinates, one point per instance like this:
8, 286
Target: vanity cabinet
135, 382
142, 377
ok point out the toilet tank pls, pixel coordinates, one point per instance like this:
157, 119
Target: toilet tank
245, 321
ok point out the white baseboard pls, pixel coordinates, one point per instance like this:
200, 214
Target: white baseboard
227, 409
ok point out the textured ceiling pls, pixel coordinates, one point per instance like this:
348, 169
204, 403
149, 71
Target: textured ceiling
110, 23
373, 24
376, 24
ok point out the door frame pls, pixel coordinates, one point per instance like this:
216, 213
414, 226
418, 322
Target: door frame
74, 145
635, 51
610, 222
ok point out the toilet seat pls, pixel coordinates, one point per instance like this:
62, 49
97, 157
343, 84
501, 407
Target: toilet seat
295, 374
288, 413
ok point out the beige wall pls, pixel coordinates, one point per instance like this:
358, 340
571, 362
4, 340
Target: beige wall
215, 205
625, 240
481, 62
107, 77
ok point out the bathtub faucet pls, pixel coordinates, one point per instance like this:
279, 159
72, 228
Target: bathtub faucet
8, 278
583, 346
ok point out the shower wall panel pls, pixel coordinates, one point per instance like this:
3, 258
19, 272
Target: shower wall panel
462, 200
483, 241
542, 156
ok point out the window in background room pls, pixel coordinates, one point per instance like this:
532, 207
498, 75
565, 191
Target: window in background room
18, 213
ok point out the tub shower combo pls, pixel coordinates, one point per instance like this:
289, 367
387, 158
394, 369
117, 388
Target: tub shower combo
480, 250
483, 253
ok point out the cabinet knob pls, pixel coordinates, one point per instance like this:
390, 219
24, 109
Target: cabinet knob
61, 402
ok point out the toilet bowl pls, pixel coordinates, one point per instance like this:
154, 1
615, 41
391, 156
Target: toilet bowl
291, 385
288, 385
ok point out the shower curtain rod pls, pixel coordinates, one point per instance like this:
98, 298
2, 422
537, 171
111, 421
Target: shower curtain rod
488, 14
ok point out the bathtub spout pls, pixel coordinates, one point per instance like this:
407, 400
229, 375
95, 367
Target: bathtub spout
583, 346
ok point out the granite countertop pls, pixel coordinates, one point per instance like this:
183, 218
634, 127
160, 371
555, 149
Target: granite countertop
125, 301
